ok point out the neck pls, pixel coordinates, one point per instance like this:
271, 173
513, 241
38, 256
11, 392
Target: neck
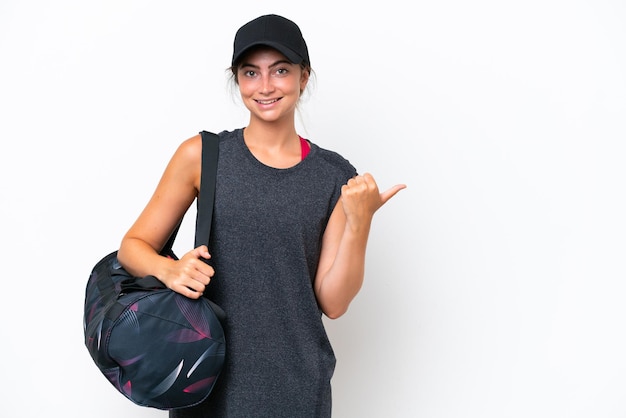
270, 135
273, 146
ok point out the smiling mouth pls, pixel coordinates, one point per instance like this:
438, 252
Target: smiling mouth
266, 102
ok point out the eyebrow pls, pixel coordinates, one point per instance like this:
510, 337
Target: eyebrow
247, 64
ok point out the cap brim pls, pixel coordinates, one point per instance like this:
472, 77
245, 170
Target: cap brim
292, 56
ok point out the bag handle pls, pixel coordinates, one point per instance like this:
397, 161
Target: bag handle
206, 198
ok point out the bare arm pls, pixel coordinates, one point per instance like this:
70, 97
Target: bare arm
342, 261
176, 191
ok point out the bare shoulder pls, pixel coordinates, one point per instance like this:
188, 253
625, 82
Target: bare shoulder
185, 165
190, 149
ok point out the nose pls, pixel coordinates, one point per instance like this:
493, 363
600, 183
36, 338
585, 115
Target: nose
266, 84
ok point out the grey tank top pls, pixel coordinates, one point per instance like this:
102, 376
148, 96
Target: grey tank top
267, 229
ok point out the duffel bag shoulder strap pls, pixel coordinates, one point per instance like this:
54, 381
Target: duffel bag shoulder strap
208, 177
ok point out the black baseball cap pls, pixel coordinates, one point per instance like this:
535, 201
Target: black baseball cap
274, 31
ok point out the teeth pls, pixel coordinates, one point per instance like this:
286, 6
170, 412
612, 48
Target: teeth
267, 101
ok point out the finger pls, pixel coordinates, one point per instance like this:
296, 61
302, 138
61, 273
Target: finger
352, 182
197, 287
367, 182
202, 252
189, 292
391, 192
188, 287
367, 177
195, 269
359, 184
196, 282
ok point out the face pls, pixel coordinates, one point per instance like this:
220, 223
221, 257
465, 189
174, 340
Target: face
270, 85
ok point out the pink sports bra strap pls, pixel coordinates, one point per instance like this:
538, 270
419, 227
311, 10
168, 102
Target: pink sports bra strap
306, 147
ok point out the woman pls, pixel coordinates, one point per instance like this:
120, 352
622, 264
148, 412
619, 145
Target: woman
291, 224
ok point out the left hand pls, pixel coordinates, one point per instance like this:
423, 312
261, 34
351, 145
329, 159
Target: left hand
361, 199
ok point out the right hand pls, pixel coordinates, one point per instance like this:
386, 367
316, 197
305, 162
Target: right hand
189, 276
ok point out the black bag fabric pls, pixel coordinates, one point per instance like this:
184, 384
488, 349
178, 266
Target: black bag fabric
157, 347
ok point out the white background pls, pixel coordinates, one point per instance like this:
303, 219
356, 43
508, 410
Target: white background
495, 282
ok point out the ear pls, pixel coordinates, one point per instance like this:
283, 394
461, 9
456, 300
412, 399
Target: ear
304, 79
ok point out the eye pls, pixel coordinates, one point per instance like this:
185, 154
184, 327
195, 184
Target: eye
282, 71
249, 73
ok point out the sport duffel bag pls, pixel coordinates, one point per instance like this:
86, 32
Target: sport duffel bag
157, 347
